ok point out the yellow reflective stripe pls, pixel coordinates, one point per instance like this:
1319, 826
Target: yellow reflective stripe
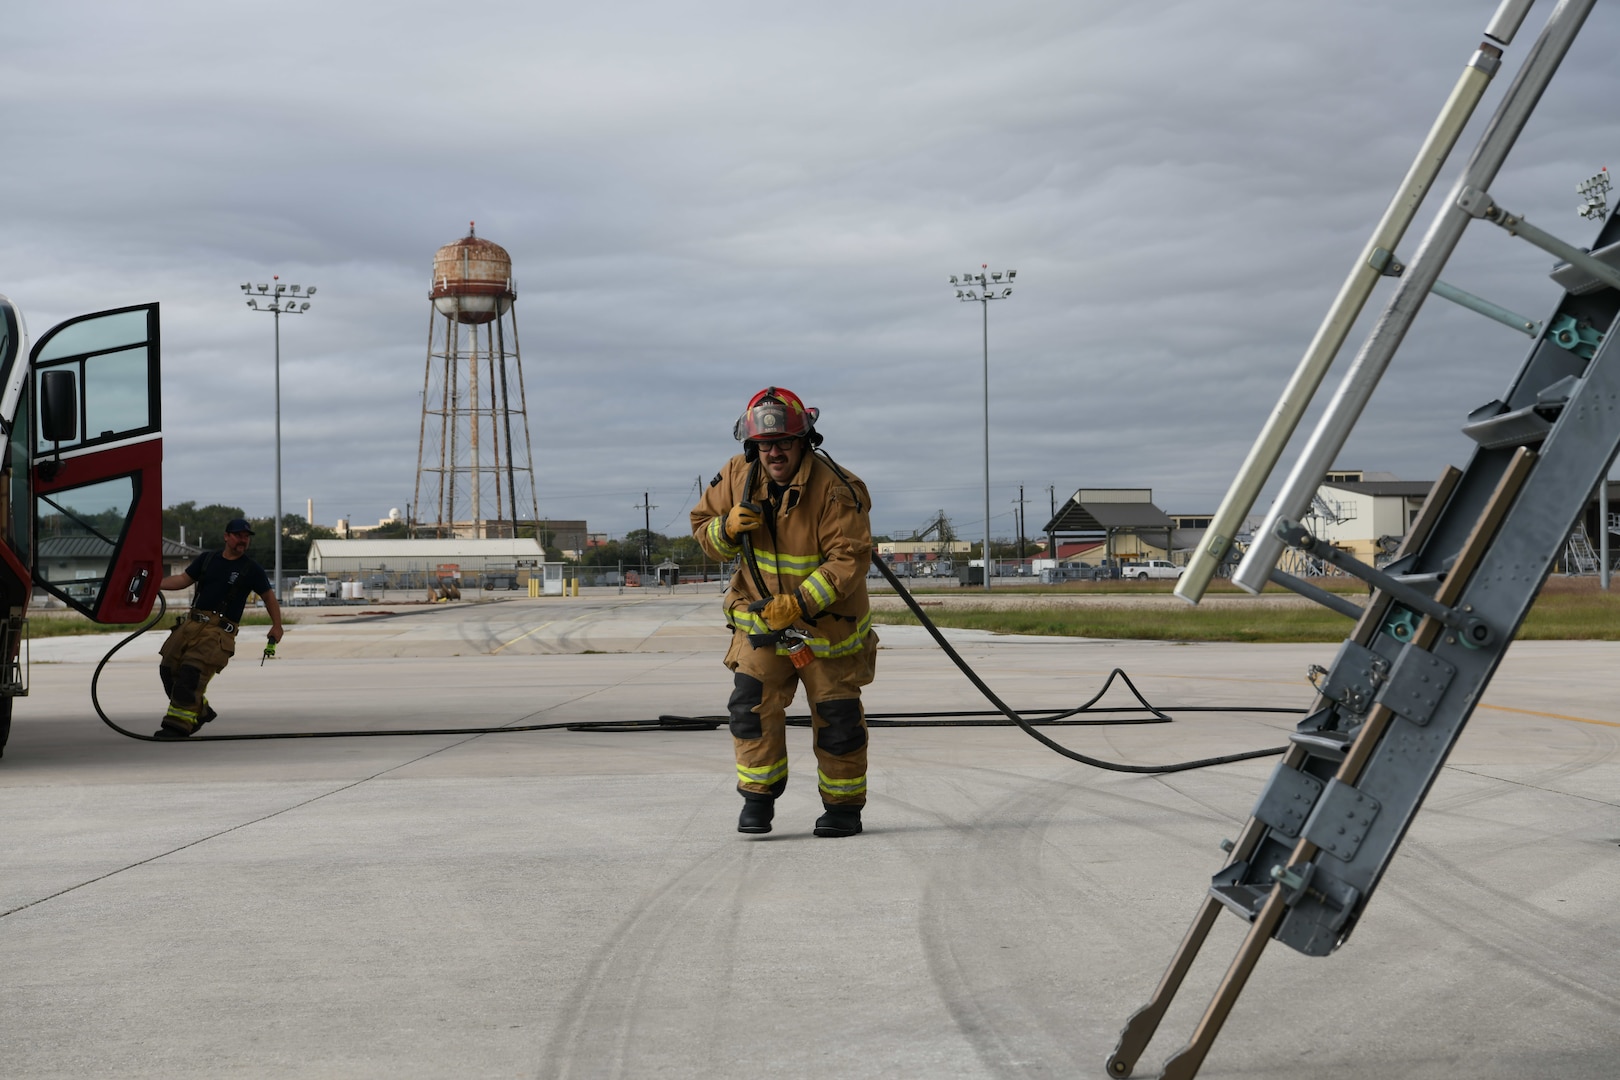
717, 537
768, 774
820, 591
775, 562
829, 786
178, 712
749, 622
848, 646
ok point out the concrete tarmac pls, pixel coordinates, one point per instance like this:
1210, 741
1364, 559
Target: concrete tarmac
578, 904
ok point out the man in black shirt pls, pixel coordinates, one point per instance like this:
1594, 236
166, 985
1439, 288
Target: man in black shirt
204, 638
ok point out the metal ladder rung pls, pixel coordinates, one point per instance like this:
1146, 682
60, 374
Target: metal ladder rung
1330, 745
1577, 281
1244, 901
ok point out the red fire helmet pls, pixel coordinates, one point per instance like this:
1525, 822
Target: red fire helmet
774, 413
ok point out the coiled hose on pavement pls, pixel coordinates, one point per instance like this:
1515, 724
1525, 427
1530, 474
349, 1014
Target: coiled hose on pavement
1045, 717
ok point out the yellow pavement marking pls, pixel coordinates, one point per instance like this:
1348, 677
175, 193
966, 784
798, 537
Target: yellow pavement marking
523, 635
1549, 715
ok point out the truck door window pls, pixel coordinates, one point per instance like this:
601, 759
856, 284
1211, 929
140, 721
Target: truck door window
96, 334
111, 356
115, 393
79, 532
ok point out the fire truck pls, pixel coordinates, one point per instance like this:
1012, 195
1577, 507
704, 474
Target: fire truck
81, 483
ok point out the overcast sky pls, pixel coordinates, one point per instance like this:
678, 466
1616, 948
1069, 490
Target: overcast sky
704, 198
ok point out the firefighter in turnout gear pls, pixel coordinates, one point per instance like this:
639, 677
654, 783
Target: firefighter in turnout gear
797, 525
204, 638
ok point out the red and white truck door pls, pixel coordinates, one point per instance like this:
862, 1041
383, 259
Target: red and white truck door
94, 411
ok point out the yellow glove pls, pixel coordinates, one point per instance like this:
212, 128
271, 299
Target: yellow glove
783, 611
744, 517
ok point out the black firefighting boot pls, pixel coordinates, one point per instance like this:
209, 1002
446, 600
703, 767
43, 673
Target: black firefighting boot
839, 820
757, 812
207, 713
175, 727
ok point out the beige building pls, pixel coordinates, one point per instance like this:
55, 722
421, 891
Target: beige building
1365, 513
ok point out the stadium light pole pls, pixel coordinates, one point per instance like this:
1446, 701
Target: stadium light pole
279, 300
981, 288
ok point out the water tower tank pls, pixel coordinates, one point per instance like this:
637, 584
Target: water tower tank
472, 280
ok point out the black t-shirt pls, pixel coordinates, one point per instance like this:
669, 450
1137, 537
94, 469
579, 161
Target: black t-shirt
223, 584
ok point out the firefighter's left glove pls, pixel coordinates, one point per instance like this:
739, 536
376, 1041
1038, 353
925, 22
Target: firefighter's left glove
780, 612
742, 518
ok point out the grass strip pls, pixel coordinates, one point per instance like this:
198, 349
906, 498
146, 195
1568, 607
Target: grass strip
74, 625
1562, 615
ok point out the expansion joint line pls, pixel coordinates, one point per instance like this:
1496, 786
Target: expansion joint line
233, 828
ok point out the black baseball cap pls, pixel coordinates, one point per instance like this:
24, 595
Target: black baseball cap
236, 525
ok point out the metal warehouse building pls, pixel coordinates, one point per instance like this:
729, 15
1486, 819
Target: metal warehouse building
354, 558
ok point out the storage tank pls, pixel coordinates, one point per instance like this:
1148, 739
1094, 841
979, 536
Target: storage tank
472, 279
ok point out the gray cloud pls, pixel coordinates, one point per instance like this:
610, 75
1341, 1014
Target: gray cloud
703, 199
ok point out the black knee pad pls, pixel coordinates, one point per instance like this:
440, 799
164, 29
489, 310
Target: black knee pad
745, 698
185, 685
843, 733
168, 681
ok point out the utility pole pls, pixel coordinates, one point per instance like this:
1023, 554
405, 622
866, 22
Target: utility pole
646, 532
980, 289
1051, 537
1020, 524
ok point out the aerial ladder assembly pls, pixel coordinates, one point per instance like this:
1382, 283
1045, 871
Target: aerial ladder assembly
1441, 615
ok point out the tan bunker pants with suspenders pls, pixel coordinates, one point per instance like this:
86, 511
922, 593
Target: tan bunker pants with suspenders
764, 683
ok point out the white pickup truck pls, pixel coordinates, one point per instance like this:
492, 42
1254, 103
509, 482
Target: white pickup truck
1153, 568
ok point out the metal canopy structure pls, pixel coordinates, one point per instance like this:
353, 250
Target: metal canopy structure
1110, 512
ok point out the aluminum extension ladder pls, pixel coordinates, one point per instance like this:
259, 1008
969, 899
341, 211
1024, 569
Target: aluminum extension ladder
1441, 616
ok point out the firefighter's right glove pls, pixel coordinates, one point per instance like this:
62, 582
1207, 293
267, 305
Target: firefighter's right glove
780, 612
269, 649
744, 517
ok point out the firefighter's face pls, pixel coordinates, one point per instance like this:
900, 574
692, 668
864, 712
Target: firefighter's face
781, 457
236, 544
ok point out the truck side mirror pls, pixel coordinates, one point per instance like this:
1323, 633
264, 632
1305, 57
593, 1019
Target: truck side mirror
58, 406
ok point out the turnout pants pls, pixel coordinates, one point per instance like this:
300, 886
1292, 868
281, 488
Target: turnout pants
763, 688
193, 654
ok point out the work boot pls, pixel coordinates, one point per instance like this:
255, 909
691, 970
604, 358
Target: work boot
756, 815
839, 820
175, 727
208, 714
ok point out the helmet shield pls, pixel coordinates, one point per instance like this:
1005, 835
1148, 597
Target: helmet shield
774, 414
